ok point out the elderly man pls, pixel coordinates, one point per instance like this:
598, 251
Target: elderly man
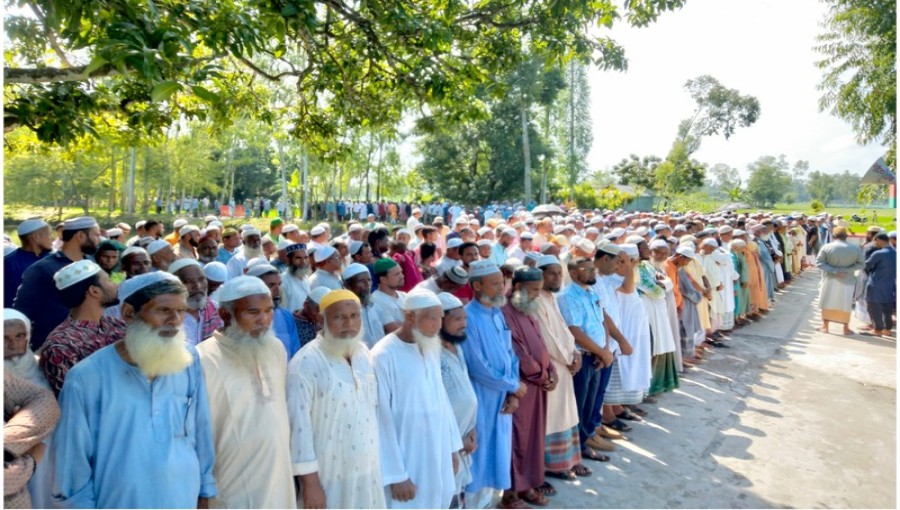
135, 429
295, 278
455, 375
655, 288
562, 454
419, 438
135, 261
283, 323
87, 291
494, 370
375, 322
251, 249
161, 255
35, 240
245, 367
202, 318
207, 250
331, 386
37, 296
328, 266
539, 376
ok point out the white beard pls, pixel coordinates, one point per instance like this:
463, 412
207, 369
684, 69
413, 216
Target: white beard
341, 347
197, 303
499, 301
520, 302
301, 273
246, 345
157, 355
26, 367
427, 344
251, 253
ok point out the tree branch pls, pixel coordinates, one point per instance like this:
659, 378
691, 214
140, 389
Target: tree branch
23, 76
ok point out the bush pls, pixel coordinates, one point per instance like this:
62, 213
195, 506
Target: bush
817, 206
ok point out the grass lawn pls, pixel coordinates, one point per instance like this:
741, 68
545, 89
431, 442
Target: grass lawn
887, 217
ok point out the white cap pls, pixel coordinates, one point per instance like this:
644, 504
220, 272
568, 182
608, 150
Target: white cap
215, 271
403, 231
454, 243
548, 260
481, 268
317, 231
209, 218
686, 251
261, 269
725, 229
631, 250
79, 223
353, 270
29, 226
354, 247
157, 245
245, 233
318, 293
113, 232
418, 299
356, 227
658, 243
323, 254
180, 222
136, 283
609, 247
187, 229
283, 244
290, 227
134, 249
180, 264
241, 287
449, 301
74, 273
709, 241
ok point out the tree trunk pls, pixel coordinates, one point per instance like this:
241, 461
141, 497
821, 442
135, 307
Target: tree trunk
131, 171
526, 149
145, 206
112, 184
571, 134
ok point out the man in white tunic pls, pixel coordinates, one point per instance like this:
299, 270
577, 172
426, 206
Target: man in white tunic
419, 435
332, 399
294, 279
839, 261
245, 371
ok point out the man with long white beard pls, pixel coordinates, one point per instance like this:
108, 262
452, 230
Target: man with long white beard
245, 367
202, 318
459, 388
539, 376
295, 278
87, 291
417, 428
283, 324
252, 249
375, 322
494, 370
331, 387
135, 429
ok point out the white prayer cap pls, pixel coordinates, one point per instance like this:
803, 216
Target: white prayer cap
559, 229
607, 246
592, 231
317, 294
509, 232
353, 270
317, 231
257, 261
533, 255
246, 226
29, 226
481, 268
461, 221
416, 210
140, 224
658, 243
124, 226
739, 233
355, 246
187, 229
596, 219
686, 251
548, 260
11, 314
245, 233
737, 243
418, 226
354, 227
484, 242
215, 271
180, 264
418, 299
631, 250
283, 244
323, 254
180, 222
546, 247
210, 218
136, 283
449, 301
74, 273
290, 227
267, 239
259, 270
616, 233
79, 223
113, 232
483, 230
157, 245
642, 231
457, 275
586, 245
635, 239
725, 229
134, 249
209, 228
512, 263
403, 231
241, 287
709, 241
454, 243
660, 226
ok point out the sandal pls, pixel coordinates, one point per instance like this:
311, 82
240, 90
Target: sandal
581, 470
562, 475
592, 455
637, 410
619, 425
510, 504
628, 415
534, 497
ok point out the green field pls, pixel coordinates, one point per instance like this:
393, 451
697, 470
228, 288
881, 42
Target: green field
887, 217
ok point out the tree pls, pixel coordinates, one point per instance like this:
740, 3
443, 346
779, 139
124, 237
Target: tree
679, 173
726, 178
578, 126
859, 65
769, 181
350, 63
637, 171
720, 110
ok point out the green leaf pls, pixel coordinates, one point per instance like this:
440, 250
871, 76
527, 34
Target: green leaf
163, 90
96, 63
205, 94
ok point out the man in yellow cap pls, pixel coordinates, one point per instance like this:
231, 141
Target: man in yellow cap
331, 387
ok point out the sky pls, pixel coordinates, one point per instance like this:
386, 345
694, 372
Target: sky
764, 48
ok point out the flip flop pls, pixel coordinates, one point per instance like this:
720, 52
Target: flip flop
581, 470
534, 497
592, 455
628, 415
546, 489
619, 425
561, 475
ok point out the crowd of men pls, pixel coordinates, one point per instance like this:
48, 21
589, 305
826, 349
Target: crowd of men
438, 364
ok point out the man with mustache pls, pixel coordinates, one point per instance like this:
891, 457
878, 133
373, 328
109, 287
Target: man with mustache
245, 367
458, 386
252, 249
375, 322
161, 254
539, 375
417, 428
295, 278
283, 324
494, 370
202, 318
38, 297
188, 241
135, 261
87, 291
331, 386
135, 429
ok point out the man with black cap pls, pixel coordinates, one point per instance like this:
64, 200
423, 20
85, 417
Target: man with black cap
38, 297
87, 291
35, 240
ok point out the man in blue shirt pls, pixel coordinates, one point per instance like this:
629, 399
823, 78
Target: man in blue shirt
35, 238
881, 285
